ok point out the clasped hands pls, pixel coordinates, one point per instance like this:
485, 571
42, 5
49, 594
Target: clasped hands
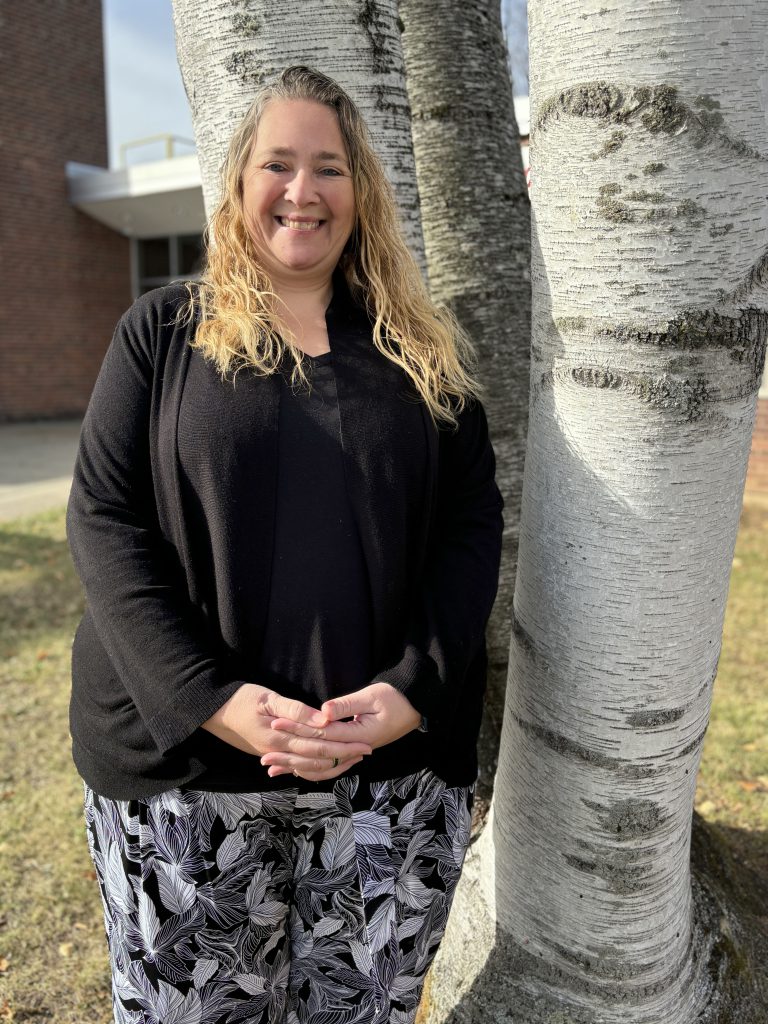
293, 738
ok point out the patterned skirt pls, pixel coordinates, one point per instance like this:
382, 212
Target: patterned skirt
279, 907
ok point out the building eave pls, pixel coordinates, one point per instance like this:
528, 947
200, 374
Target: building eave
164, 197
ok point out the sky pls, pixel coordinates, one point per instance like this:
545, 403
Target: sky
145, 94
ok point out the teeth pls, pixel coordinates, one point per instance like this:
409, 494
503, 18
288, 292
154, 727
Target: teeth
300, 225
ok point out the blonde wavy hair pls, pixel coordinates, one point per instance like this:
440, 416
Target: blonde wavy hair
239, 325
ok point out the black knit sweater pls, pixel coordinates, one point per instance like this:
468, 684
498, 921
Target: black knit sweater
171, 523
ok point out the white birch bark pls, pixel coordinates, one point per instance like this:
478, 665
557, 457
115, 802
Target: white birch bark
228, 48
476, 221
650, 290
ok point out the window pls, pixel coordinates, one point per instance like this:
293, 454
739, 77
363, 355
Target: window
157, 261
190, 255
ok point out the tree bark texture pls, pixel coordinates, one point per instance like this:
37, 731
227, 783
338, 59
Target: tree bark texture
476, 221
228, 48
650, 290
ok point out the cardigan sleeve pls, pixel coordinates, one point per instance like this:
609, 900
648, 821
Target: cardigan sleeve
156, 640
446, 629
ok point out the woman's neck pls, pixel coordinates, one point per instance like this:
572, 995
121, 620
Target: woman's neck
307, 300
302, 310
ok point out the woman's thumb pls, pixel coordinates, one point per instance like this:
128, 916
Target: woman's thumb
347, 706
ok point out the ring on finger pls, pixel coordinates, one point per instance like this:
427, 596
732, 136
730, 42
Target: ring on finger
336, 762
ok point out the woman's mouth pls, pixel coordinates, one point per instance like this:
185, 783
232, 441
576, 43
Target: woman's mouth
299, 225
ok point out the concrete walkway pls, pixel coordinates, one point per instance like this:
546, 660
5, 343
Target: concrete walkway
36, 461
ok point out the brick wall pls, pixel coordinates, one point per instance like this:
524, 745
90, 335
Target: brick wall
757, 471
65, 278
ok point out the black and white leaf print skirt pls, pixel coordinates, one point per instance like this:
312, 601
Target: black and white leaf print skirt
279, 907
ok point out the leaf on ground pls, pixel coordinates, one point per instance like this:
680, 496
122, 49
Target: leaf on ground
6, 1011
749, 784
65, 948
4, 964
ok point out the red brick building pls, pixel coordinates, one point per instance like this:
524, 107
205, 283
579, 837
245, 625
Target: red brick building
65, 277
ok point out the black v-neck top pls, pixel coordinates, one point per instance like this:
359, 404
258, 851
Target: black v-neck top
317, 642
318, 636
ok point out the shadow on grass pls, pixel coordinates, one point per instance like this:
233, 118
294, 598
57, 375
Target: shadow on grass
737, 860
27, 543
39, 590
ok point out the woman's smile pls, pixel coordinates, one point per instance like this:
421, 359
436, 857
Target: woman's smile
299, 225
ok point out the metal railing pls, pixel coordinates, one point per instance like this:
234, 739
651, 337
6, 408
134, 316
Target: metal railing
170, 143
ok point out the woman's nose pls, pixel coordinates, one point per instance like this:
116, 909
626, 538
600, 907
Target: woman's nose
300, 189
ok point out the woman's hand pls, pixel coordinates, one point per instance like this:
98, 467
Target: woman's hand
245, 721
380, 714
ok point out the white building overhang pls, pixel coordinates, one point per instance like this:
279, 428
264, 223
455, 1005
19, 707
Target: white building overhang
164, 197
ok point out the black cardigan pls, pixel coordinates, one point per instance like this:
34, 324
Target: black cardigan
177, 578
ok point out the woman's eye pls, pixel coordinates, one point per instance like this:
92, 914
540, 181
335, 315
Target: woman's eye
331, 172
274, 167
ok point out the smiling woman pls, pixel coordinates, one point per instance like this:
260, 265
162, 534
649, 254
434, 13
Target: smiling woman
278, 679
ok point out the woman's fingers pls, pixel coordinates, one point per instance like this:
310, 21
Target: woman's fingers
312, 769
318, 749
339, 732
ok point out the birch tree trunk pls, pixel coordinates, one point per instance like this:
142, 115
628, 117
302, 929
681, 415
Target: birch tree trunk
650, 290
228, 48
475, 216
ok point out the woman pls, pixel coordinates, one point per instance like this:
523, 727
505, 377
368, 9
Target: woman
285, 518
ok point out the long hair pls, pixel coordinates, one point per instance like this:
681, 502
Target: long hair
239, 325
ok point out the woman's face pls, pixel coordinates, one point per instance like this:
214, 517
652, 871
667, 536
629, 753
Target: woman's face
298, 197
